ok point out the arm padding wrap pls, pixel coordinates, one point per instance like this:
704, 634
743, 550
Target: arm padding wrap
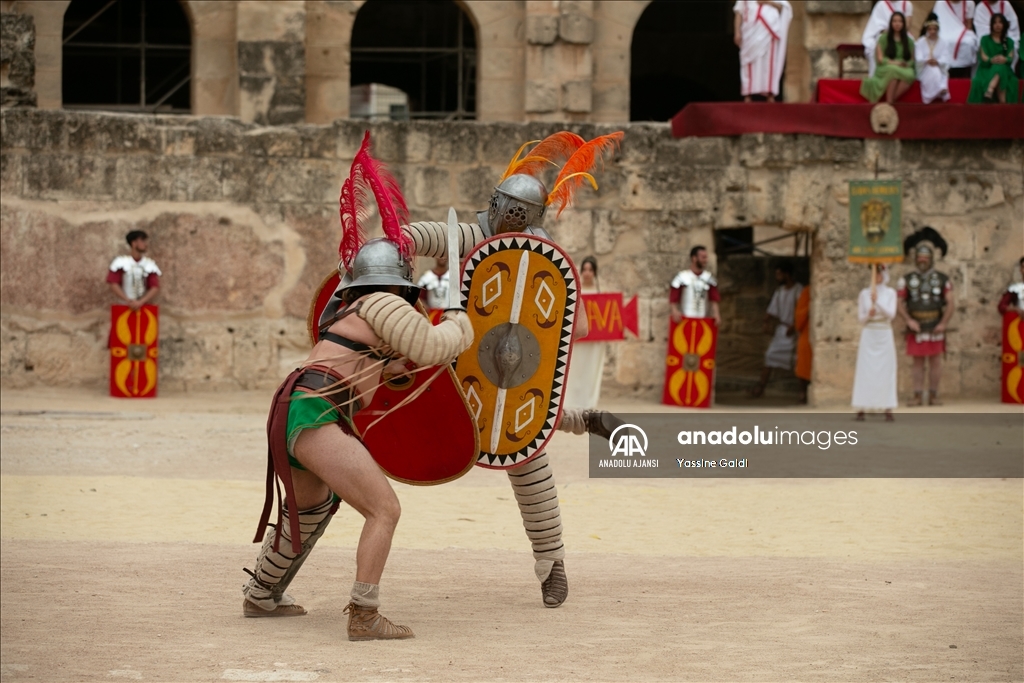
431, 237
408, 332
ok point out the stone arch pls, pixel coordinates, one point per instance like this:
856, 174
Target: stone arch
680, 53
501, 58
48, 17
614, 23
127, 56
424, 48
214, 57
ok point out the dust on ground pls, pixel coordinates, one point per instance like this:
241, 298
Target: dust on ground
125, 526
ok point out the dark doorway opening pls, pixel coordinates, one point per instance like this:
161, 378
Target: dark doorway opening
425, 48
746, 283
682, 52
127, 55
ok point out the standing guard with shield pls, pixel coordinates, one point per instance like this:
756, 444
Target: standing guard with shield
318, 445
521, 296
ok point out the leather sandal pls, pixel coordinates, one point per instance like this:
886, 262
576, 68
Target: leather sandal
251, 609
366, 623
555, 588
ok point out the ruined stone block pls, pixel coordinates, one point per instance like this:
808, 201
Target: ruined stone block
475, 185
577, 96
838, 6
10, 172
431, 186
69, 177
455, 143
541, 97
17, 60
576, 28
33, 129
541, 30
216, 135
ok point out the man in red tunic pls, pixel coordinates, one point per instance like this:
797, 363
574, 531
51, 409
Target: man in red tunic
926, 305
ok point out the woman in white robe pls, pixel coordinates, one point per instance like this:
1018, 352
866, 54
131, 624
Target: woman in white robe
933, 56
586, 367
874, 383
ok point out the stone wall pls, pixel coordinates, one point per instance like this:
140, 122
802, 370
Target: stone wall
17, 60
244, 224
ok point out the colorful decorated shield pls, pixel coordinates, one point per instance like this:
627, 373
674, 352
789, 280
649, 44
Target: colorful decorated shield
417, 426
520, 293
690, 363
1013, 358
133, 351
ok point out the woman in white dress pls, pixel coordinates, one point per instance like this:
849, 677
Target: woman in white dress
933, 56
583, 387
874, 384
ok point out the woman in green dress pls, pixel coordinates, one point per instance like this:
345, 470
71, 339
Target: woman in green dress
994, 78
894, 55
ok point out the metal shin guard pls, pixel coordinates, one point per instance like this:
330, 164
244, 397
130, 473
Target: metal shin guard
275, 570
534, 487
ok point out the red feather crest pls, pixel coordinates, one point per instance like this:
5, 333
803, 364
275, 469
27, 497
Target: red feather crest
577, 169
368, 175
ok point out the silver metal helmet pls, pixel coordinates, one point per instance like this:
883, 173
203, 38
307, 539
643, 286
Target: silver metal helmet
518, 203
379, 263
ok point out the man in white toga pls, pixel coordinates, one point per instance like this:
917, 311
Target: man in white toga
956, 27
780, 320
761, 28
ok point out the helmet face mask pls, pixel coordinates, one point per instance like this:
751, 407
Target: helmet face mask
518, 202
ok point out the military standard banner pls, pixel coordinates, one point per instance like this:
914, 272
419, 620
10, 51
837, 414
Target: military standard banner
875, 220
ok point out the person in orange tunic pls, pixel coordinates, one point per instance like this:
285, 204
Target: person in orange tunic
804, 353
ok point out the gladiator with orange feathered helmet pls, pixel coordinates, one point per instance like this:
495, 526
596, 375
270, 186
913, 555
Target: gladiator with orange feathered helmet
517, 206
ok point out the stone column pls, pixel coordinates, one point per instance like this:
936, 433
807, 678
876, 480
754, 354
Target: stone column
614, 21
272, 61
48, 16
17, 59
559, 60
328, 60
499, 39
214, 57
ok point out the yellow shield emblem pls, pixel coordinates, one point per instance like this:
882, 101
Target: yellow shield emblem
520, 293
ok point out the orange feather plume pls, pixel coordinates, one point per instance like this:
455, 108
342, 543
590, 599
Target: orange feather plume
554, 150
577, 169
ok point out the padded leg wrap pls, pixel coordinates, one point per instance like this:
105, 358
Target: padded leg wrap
599, 422
534, 487
275, 570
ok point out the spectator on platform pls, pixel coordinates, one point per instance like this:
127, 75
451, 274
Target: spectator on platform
956, 27
994, 79
895, 57
932, 55
983, 22
761, 30
878, 24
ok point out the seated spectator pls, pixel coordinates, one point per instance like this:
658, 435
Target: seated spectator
933, 56
994, 79
983, 21
895, 57
878, 23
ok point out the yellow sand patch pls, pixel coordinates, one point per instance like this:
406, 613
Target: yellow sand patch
783, 518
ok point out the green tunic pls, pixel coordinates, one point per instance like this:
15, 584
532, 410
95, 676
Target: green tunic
986, 70
873, 89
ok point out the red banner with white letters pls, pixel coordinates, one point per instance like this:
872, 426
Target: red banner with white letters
609, 318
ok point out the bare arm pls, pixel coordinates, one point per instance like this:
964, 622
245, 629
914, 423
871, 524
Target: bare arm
582, 323
150, 294
737, 31
715, 314
948, 313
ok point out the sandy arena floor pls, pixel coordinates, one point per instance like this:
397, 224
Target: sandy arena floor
126, 524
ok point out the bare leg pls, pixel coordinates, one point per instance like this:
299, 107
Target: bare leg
770, 97
992, 85
746, 98
341, 462
1002, 97
917, 375
901, 89
934, 374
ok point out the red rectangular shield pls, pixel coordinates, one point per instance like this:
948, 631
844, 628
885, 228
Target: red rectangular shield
133, 351
1013, 358
690, 363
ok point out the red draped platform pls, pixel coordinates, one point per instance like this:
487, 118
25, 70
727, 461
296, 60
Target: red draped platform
847, 91
917, 121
